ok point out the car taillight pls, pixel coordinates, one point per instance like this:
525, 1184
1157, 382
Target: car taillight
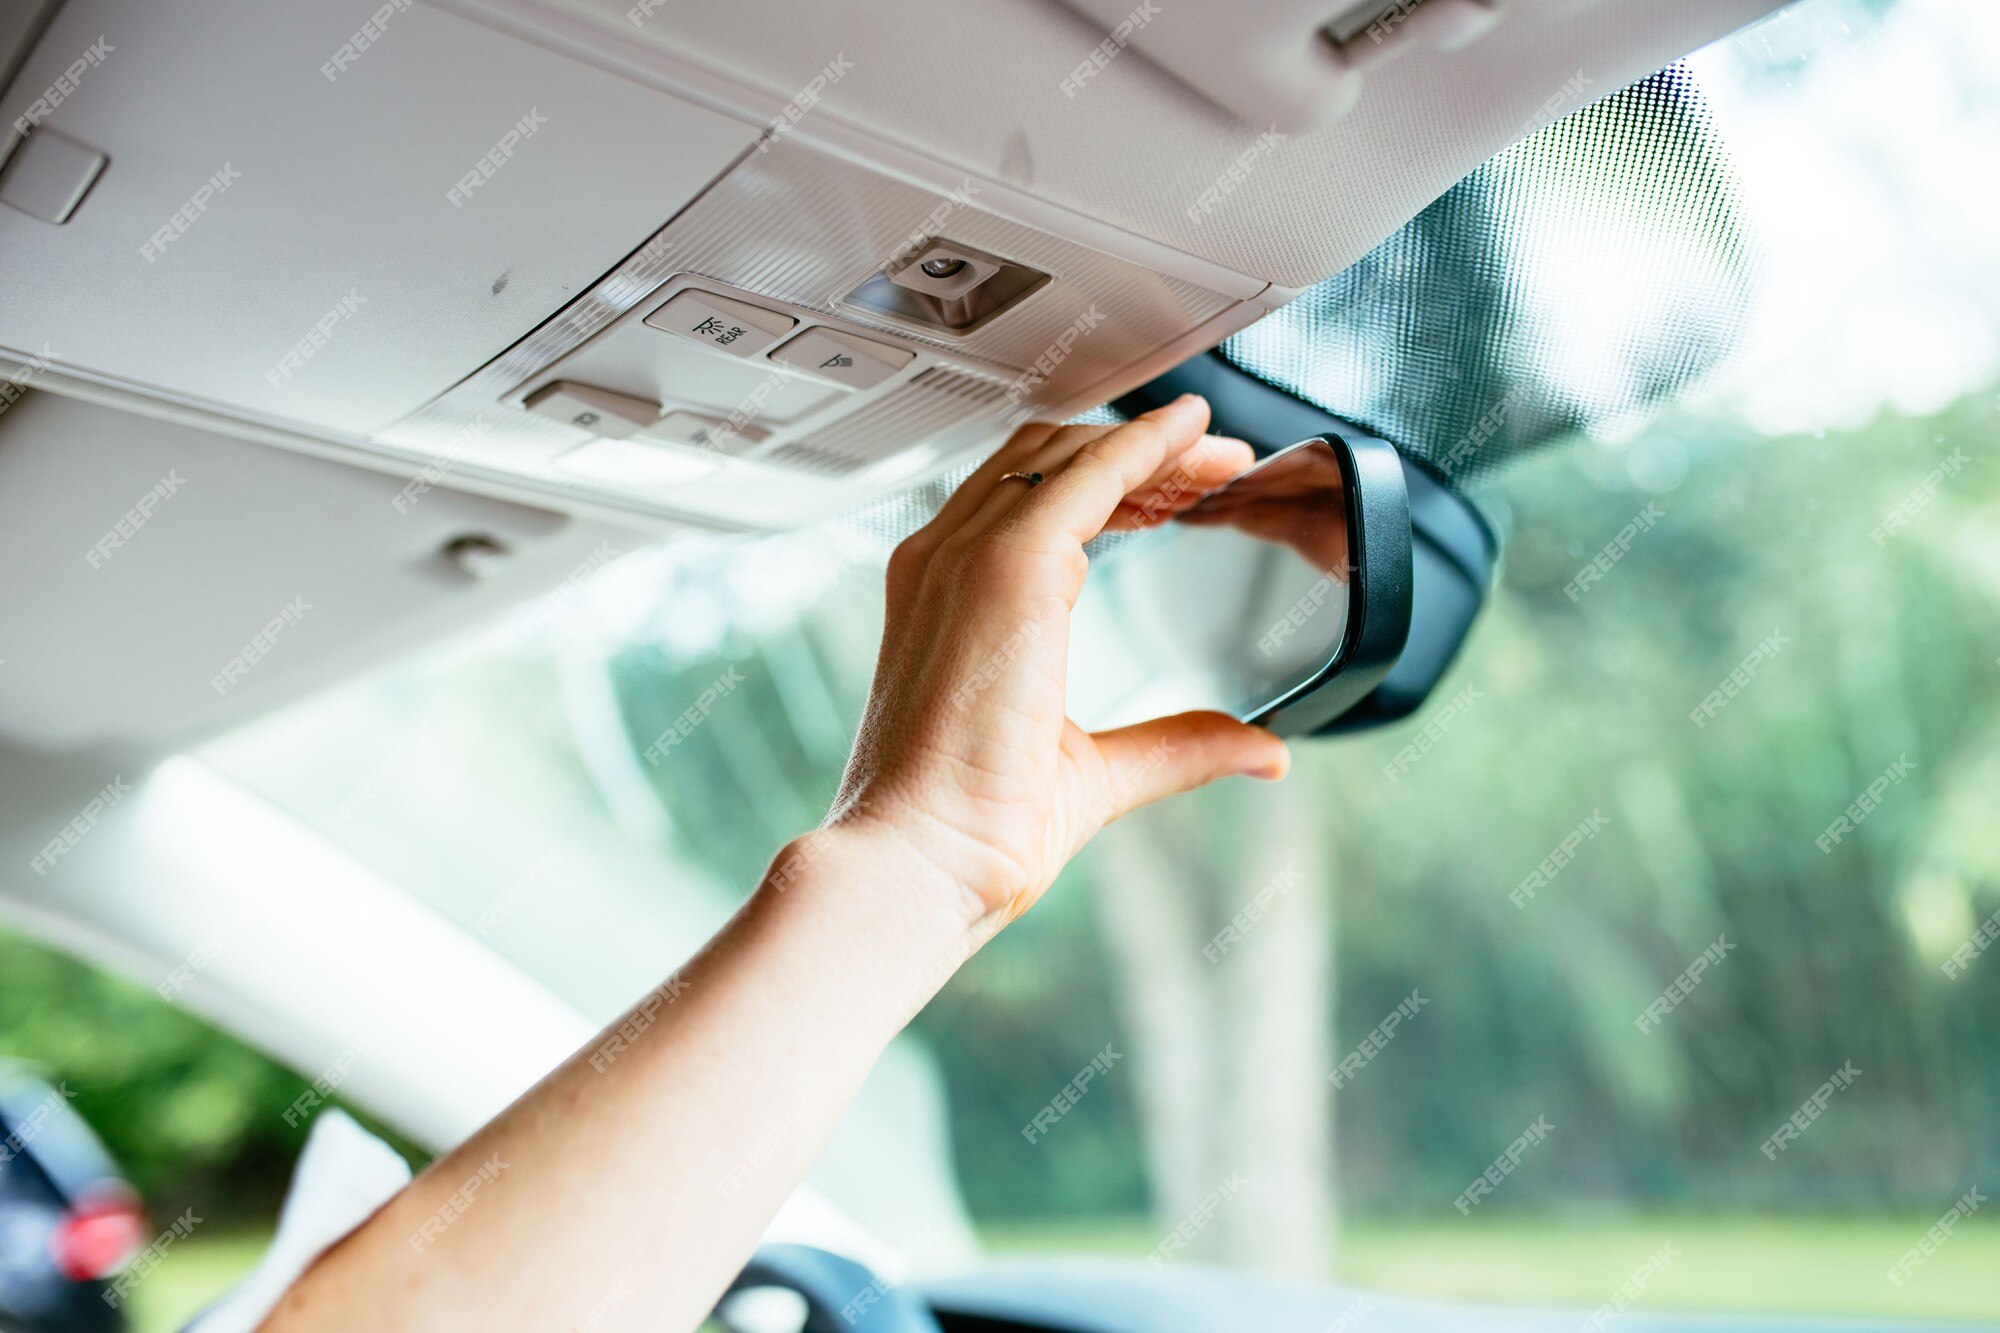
96, 1237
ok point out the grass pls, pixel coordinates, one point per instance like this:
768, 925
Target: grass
193, 1274
1789, 1265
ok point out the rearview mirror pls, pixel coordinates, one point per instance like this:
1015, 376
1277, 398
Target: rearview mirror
1282, 598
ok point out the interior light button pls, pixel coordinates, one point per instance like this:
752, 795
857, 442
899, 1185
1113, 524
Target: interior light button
843, 358
608, 415
704, 432
736, 327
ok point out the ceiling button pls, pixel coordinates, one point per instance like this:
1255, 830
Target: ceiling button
701, 432
736, 327
607, 415
857, 363
48, 175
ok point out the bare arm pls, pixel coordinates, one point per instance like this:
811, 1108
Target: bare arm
650, 1161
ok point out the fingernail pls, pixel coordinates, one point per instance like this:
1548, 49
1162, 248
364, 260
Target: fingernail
1277, 768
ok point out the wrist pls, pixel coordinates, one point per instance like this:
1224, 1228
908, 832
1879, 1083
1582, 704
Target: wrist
878, 887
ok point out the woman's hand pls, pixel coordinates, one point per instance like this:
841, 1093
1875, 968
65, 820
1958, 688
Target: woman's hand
652, 1159
967, 779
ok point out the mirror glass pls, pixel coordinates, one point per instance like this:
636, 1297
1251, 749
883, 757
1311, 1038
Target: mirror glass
1231, 605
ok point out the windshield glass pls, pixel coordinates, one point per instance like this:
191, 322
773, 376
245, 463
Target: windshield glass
1688, 851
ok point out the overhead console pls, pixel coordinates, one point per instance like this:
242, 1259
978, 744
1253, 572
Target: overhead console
744, 368
735, 266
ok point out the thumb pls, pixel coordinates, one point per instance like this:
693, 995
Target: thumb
1151, 760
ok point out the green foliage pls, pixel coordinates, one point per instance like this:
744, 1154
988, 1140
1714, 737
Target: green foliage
1821, 1265
192, 1116
178, 1104
1583, 707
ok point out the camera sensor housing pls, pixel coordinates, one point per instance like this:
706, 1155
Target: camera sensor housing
944, 287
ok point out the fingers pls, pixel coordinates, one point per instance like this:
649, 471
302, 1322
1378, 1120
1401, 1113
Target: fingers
1180, 480
1066, 443
1046, 458
973, 491
1210, 461
1182, 474
1079, 499
1179, 483
1152, 760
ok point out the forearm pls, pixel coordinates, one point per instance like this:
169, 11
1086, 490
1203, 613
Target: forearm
650, 1161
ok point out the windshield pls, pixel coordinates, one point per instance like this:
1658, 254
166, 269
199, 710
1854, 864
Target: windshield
1506, 1000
